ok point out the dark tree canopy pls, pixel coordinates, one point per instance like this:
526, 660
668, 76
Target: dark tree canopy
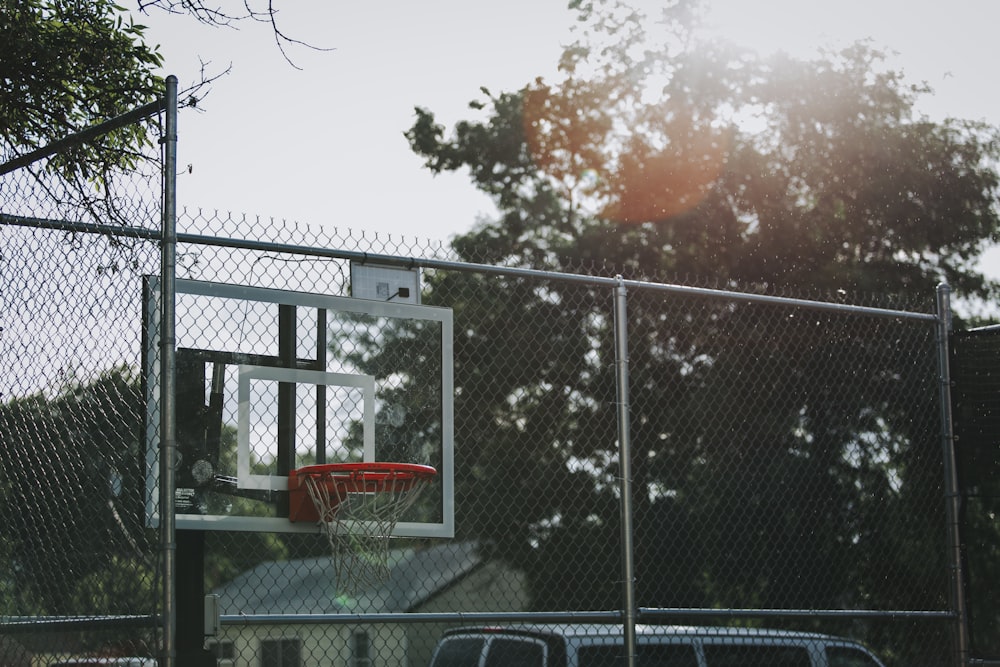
72, 502
71, 490
699, 159
66, 65
664, 157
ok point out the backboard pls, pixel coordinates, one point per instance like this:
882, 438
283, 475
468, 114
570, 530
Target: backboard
268, 381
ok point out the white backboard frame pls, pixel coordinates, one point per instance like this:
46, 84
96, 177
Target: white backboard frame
445, 528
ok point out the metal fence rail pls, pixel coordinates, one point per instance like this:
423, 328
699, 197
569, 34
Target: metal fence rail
625, 451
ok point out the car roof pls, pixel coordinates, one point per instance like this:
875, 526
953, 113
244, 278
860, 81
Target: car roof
112, 662
572, 630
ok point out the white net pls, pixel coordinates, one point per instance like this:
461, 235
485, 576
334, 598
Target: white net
358, 510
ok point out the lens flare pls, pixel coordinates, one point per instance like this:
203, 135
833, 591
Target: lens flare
666, 169
652, 186
588, 180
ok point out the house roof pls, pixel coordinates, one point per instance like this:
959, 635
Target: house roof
309, 586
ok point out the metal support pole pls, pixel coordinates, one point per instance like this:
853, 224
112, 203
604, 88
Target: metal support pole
287, 337
321, 343
625, 463
951, 490
168, 408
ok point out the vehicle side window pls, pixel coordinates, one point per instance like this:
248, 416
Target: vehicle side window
459, 652
846, 656
648, 655
510, 652
755, 655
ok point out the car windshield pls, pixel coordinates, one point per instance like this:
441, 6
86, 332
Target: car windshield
459, 652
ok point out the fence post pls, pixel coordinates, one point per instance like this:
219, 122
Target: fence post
951, 490
625, 463
168, 421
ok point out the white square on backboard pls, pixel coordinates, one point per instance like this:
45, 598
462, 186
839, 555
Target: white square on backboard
246, 480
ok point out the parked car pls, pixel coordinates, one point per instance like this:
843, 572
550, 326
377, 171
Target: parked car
591, 645
106, 662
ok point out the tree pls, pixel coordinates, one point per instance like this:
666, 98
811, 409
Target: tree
72, 505
844, 185
67, 65
72, 498
670, 157
218, 15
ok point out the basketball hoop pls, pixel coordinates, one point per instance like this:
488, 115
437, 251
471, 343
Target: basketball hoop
357, 505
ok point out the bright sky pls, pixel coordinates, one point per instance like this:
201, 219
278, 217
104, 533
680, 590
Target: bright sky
324, 145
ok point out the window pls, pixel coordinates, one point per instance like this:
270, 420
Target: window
647, 655
221, 650
361, 649
281, 653
756, 655
845, 656
459, 652
521, 652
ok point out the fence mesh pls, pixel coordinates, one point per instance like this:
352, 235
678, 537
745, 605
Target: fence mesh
80, 571
786, 458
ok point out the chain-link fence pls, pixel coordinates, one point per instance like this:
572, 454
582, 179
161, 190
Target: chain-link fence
79, 571
783, 458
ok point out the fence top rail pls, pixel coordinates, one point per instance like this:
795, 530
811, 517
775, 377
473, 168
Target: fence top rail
26, 624
471, 267
644, 614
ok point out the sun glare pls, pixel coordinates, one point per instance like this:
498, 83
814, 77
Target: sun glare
633, 169
795, 27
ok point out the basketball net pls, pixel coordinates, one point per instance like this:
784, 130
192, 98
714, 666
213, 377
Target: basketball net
358, 517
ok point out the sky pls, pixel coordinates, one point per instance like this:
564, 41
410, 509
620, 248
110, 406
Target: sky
321, 143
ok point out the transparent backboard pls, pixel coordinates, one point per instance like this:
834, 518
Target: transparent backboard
270, 380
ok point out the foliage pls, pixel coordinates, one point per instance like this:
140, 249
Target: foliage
72, 502
67, 65
769, 471
706, 161
85, 489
